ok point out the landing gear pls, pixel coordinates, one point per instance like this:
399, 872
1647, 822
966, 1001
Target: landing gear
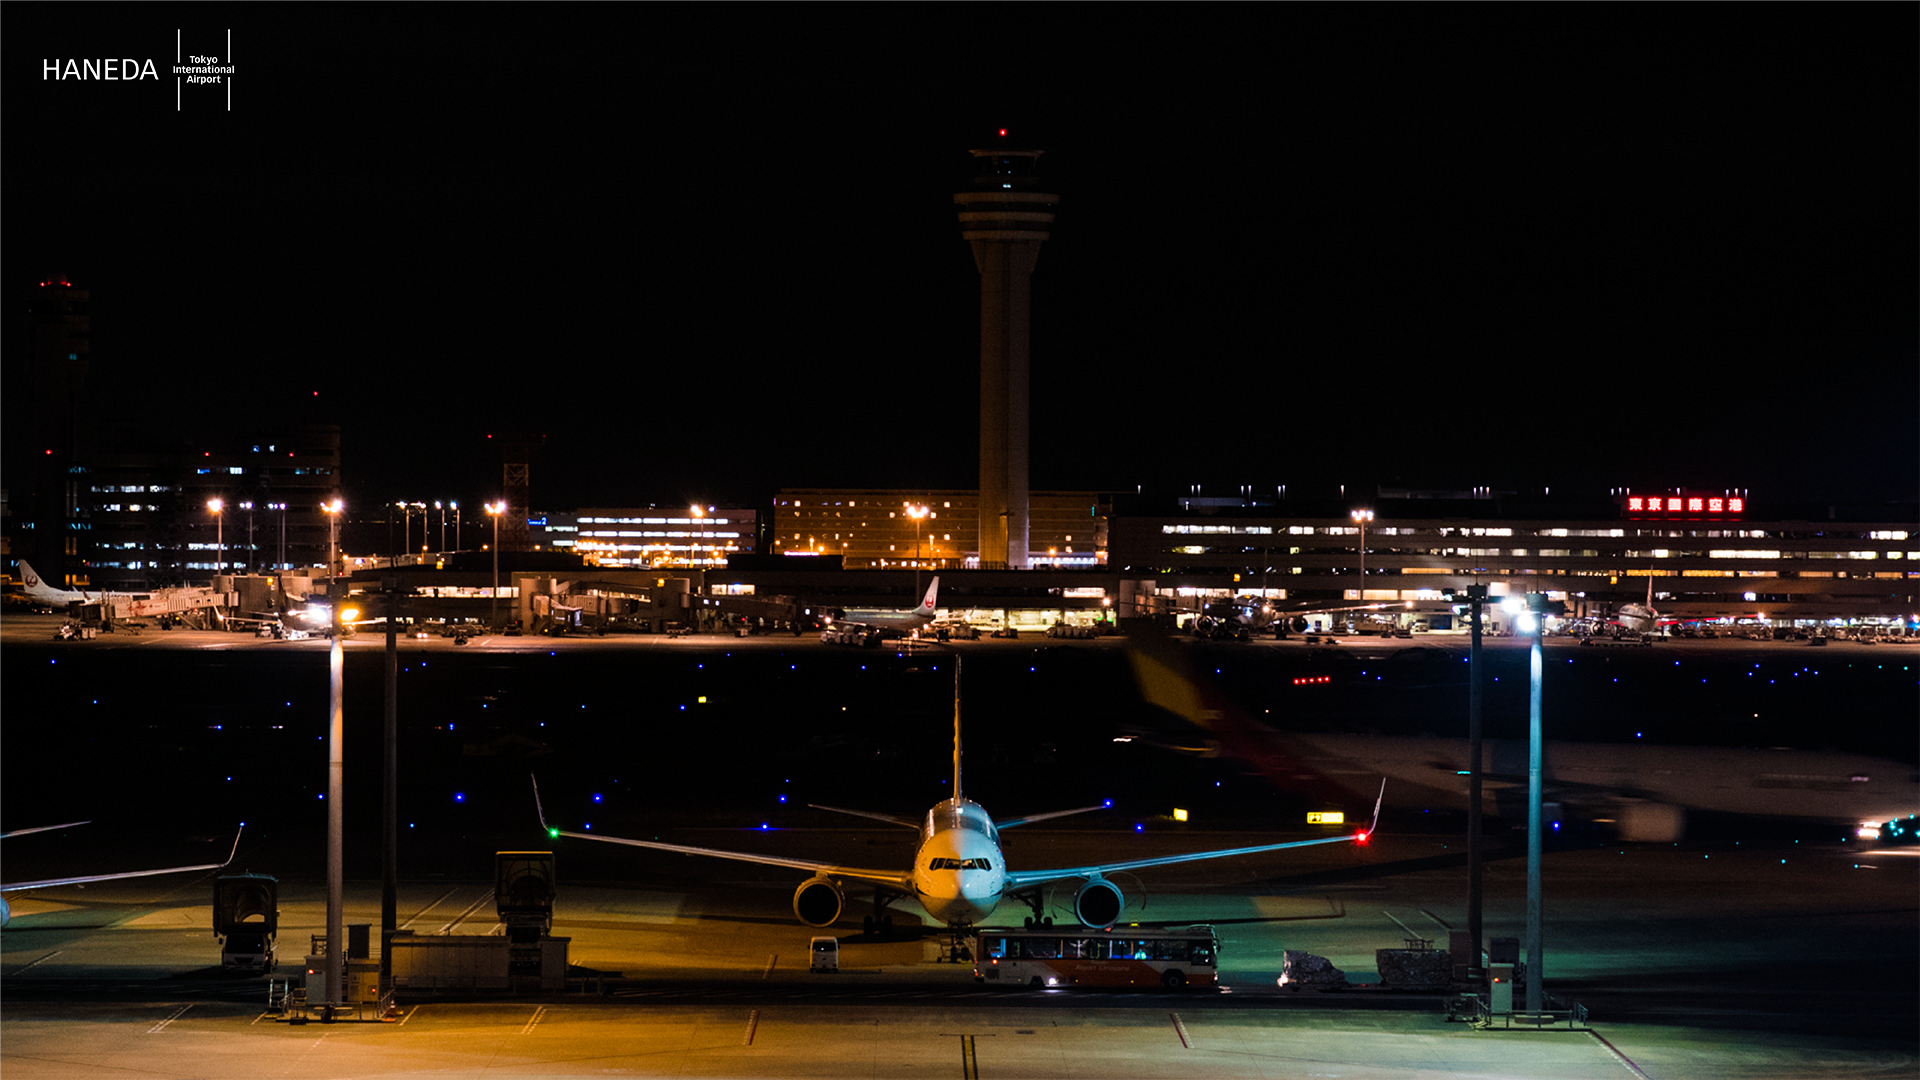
883, 926
957, 951
1035, 899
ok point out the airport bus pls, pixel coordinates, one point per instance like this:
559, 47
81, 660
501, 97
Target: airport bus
1169, 957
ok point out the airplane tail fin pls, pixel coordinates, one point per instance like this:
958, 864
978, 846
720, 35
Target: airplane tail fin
956, 721
36, 586
926, 602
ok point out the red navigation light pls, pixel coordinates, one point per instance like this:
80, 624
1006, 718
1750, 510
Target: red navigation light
1003, 133
1360, 839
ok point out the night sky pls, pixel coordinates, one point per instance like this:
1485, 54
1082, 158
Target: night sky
711, 252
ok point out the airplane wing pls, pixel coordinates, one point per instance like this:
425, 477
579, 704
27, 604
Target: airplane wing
90, 878
41, 828
1031, 818
898, 879
1027, 878
888, 818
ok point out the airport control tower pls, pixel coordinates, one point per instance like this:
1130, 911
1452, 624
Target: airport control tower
1006, 217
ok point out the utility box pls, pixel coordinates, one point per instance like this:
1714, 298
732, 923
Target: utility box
1500, 989
361, 978
523, 893
246, 920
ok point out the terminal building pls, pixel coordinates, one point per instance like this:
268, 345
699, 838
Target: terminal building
1700, 556
1704, 555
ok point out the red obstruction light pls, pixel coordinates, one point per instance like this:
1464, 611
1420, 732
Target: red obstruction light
1360, 839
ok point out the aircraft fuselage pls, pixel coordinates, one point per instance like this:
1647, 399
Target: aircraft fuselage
959, 871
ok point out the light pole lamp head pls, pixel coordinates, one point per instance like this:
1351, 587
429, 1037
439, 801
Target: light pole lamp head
216, 505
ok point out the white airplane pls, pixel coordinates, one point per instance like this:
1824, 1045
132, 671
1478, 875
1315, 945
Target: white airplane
959, 873
1639, 618
876, 620
6, 912
125, 604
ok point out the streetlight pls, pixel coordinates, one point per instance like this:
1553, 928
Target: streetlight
918, 513
248, 507
1361, 517
332, 507
494, 510
1530, 615
438, 505
219, 533
282, 507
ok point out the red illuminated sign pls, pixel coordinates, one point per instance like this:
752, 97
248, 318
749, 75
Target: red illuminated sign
1685, 505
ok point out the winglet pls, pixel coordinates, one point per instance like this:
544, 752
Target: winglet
231, 855
1377, 800
540, 810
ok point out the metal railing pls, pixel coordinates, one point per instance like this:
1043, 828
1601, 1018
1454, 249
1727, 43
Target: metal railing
1559, 1014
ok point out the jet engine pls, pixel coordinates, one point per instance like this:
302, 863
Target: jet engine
817, 902
1650, 822
1098, 903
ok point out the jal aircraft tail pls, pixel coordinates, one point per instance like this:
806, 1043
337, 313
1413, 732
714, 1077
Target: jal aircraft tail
925, 610
38, 589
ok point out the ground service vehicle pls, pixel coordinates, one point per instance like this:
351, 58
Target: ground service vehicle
1169, 957
246, 918
825, 955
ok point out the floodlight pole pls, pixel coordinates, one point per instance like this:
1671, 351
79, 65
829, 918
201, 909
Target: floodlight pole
390, 793
1535, 968
1476, 601
336, 787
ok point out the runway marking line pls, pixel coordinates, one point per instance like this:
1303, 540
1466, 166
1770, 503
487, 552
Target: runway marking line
538, 1013
753, 1022
772, 959
32, 964
1618, 1056
162, 1025
1180, 1029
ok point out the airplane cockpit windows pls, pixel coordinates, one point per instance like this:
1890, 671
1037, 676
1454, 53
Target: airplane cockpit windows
960, 864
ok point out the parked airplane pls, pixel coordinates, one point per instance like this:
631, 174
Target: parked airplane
6, 912
881, 621
1639, 618
959, 873
124, 604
